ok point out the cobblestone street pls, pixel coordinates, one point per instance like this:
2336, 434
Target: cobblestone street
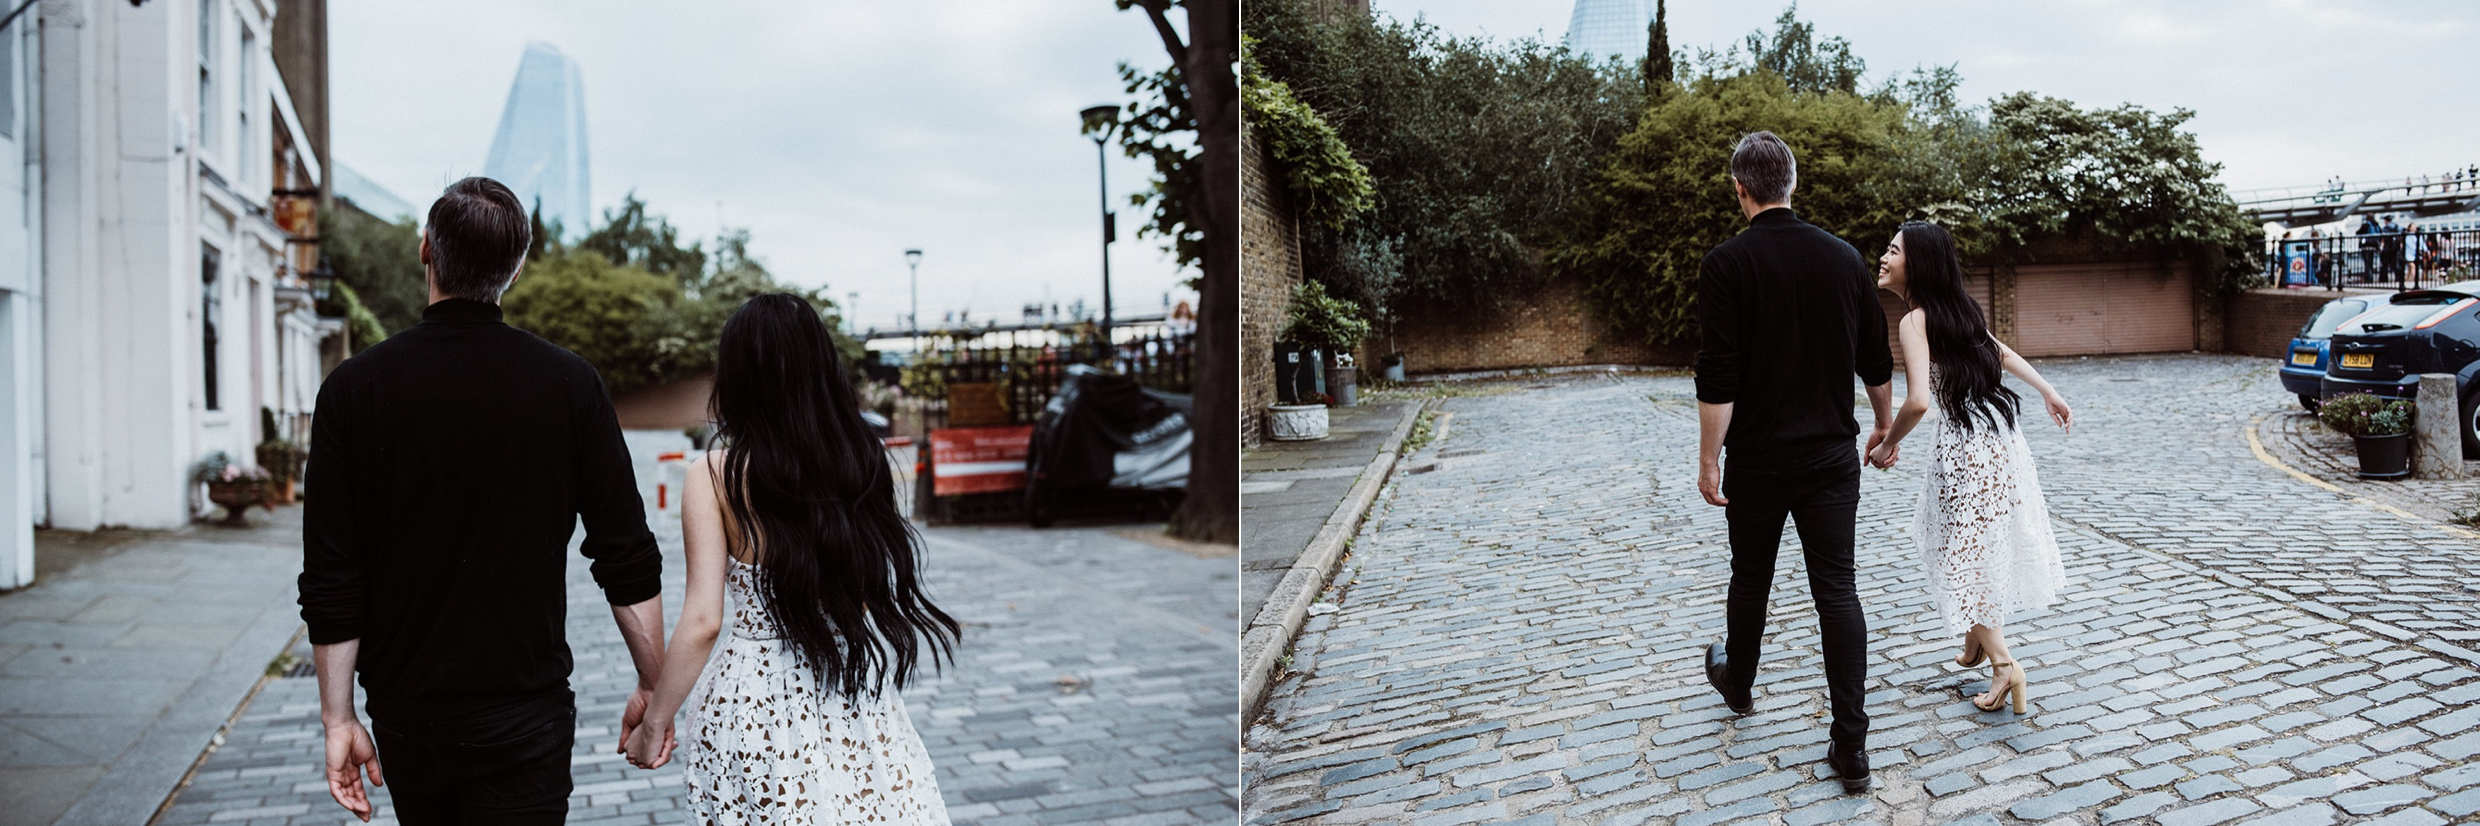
1517, 636
1094, 686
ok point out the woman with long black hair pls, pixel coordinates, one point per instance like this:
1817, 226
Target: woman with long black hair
794, 516
1983, 529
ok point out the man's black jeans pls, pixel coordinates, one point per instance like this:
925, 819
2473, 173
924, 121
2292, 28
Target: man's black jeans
505, 767
1822, 501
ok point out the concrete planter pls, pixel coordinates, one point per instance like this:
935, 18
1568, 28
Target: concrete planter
1295, 422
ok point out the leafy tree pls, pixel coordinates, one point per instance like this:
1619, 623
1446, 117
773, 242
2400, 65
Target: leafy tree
2031, 169
1327, 185
2122, 178
1666, 197
382, 264
622, 319
1659, 71
630, 236
1478, 151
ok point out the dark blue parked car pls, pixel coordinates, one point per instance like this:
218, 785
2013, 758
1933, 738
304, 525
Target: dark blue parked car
2386, 349
2304, 368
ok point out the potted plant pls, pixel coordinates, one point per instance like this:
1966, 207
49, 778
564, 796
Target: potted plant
1391, 366
235, 487
2380, 428
1331, 325
281, 457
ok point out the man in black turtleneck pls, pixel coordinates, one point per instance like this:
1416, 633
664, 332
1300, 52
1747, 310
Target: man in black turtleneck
1790, 314
449, 465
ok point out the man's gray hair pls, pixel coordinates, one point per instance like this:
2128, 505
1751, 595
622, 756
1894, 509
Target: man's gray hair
1763, 163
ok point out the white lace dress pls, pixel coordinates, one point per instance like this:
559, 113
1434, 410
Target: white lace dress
764, 743
1982, 527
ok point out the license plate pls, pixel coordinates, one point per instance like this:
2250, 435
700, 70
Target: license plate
2304, 358
2359, 361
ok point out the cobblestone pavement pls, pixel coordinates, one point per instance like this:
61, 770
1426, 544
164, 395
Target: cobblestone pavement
1094, 686
1518, 637
2297, 440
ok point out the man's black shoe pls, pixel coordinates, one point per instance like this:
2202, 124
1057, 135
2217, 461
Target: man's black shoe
1718, 673
1852, 767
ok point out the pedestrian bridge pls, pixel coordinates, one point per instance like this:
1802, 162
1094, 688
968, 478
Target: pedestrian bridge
2327, 203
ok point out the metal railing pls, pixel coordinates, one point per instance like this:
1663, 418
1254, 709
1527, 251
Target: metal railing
1028, 374
2403, 260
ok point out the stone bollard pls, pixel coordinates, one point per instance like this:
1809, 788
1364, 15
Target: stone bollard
2437, 429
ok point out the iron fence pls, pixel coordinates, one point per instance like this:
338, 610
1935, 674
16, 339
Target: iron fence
2404, 260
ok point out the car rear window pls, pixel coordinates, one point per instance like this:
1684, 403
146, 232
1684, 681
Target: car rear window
2403, 312
2332, 315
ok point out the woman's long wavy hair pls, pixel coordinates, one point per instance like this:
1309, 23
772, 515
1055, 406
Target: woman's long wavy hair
809, 487
1968, 370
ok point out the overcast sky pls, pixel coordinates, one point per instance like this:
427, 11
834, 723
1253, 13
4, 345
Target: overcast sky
2285, 91
840, 132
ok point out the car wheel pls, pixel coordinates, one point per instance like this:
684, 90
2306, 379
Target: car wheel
2471, 423
2308, 402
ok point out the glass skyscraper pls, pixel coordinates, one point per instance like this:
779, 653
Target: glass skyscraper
540, 149
1601, 28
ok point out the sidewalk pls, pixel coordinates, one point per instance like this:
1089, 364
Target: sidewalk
1290, 495
127, 654
1093, 685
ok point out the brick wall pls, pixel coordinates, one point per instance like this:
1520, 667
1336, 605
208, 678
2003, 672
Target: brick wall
1554, 327
2261, 322
1269, 268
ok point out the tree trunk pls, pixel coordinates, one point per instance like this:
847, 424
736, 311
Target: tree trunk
1211, 512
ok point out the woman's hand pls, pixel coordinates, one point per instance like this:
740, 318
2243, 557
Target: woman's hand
649, 745
2058, 411
1883, 456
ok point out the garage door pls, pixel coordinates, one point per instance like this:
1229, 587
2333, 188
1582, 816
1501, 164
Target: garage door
2099, 308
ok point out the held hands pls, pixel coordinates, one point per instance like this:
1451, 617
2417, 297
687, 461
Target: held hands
349, 752
649, 744
1881, 453
646, 745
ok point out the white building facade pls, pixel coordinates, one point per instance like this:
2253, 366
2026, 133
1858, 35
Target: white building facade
154, 300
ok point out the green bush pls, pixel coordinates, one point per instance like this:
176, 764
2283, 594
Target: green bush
1328, 186
2364, 414
1323, 321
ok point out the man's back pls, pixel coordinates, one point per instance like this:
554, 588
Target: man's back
1790, 315
448, 467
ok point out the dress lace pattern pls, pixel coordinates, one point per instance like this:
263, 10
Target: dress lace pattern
766, 744
1982, 526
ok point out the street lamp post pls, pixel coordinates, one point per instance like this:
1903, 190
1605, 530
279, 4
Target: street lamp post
912, 321
1101, 119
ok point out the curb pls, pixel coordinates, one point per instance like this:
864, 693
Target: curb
1271, 631
1527, 372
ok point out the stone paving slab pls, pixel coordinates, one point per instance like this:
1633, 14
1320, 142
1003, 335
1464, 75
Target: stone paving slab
127, 654
2235, 645
1094, 686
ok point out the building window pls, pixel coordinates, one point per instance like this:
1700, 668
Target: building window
206, 74
210, 310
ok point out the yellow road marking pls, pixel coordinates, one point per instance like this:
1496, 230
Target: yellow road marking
2257, 446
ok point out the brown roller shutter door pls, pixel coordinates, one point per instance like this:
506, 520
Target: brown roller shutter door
2103, 308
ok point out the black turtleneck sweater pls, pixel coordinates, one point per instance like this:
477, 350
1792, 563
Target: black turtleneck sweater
449, 466
1790, 314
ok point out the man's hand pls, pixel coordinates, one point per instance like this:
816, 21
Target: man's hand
1877, 439
1709, 482
349, 751
649, 744
634, 714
